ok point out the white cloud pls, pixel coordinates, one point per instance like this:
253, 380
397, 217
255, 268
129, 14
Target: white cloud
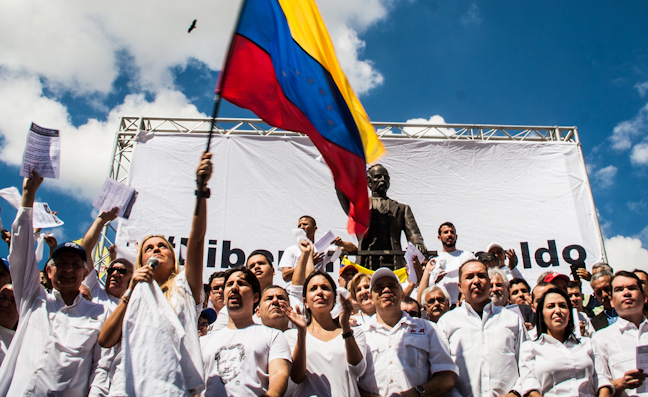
626, 253
427, 131
637, 206
86, 150
472, 16
604, 177
626, 132
642, 88
82, 47
639, 154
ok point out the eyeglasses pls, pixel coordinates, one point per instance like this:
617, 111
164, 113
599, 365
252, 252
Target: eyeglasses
119, 270
217, 287
432, 301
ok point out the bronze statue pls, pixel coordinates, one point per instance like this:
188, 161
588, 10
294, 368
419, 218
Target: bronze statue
388, 219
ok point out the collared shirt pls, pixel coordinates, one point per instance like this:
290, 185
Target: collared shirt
55, 349
556, 369
615, 351
611, 315
403, 357
485, 348
453, 260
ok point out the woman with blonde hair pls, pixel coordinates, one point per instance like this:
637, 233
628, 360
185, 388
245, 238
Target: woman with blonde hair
183, 289
360, 291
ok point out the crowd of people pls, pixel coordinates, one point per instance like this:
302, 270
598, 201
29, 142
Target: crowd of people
471, 326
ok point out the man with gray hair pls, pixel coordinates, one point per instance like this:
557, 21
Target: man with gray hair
436, 302
603, 293
499, 292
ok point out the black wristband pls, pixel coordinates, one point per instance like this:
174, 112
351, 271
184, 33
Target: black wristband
205, 193
347, 335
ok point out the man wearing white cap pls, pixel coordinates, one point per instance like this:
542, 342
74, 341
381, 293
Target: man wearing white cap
409, 357
501, 255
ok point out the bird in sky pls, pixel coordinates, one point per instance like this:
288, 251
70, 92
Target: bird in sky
193, 26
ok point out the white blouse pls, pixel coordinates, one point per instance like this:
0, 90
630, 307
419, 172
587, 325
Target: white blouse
553, 368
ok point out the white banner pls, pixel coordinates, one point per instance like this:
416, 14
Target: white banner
532, 197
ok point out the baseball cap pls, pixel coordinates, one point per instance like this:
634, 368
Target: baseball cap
348, 267
72, 247
209, 314
553, 275
493, 245
380, 273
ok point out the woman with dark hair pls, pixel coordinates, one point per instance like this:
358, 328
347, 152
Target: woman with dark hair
323, 343
556, 363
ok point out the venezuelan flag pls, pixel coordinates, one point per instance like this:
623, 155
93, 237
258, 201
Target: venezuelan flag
282, 66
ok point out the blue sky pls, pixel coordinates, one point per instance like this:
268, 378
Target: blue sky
79, 67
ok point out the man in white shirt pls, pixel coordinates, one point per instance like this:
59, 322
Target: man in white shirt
615, 346
245, 359
453, 259
291, 254
408, 355
484, 339
55, 349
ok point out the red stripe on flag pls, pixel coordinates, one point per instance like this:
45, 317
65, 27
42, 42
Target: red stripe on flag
252, 83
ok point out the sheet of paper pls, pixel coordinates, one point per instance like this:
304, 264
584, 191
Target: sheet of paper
642, 363
438, 268
300, 234
12, 195
410, 252
577, 329
114, 194
42, 153
43, 217
324, 242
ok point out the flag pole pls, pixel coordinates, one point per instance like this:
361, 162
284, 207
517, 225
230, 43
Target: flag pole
200, 181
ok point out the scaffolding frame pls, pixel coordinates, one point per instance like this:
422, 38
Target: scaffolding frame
130, 126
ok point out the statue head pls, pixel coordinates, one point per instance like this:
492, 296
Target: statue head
378, 179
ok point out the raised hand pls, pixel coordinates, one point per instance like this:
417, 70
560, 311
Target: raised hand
293, 315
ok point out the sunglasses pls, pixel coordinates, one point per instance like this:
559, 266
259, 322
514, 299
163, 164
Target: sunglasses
432, 301
119, 270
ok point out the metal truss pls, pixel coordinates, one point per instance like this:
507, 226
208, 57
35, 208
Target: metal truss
130, 126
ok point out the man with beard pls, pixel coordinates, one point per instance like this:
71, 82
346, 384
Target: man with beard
408, 355
245, 359
484, 339
260, 264
389, 219
615, 346
453, 258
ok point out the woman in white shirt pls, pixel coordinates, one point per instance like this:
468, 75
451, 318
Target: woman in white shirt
318, 357
182, 288
556, 363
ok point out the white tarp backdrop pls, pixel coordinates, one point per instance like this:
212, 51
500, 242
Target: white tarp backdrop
530, 196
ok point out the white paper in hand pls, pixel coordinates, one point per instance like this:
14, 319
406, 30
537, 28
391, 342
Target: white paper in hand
642, 363
440, 266
42, 153
409, 260
44, 218
114, 194
12, 195
324, 242
300, 234
577, 329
